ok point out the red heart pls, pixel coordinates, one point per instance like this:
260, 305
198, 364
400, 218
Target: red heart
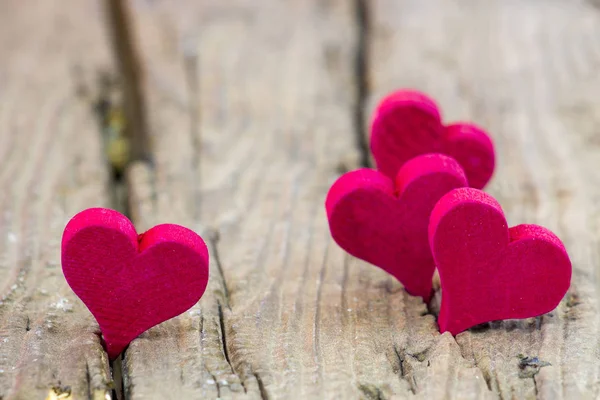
131, 283
385, 223
408, 123
490, 272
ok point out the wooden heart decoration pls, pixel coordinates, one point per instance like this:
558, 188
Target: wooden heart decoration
132, 282
407, 123
385, 222
490, 272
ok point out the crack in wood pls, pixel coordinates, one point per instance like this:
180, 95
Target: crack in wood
121, 29
403, 373
214, 378
127, 122
213, 237
116, 370
372, 392
420, 356
497, 386
223, 335
529, 367
88, 380
105, 100
361, 66
225, 348
486, 374
261, 387
201, 336
433, 306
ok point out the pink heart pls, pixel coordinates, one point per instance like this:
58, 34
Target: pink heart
408, 123
490, 272
385, 222
131, 283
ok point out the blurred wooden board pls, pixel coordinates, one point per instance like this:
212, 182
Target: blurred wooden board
527, 71
275, 86
252, 112
51, 166
289, 315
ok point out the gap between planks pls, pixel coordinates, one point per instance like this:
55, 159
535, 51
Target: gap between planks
120, 24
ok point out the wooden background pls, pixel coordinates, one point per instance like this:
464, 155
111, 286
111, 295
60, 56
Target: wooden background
253, 108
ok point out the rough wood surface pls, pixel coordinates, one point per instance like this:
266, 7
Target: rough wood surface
252, 115
51, 166
526, 71
288, 314
281, 315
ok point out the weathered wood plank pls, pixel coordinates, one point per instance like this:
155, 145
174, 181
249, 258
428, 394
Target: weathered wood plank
287, 314
527, 71
51, 166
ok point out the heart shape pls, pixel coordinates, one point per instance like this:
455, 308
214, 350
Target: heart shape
132, 282
385, 222
407, 123
489, 272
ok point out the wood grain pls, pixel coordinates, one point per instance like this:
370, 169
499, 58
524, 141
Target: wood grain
252, 115
525, 70
51, 166
287, 313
